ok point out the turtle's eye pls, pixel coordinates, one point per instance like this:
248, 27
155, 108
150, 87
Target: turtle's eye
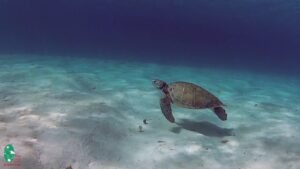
157, 83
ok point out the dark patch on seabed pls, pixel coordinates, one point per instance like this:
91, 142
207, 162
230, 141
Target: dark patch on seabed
202, 127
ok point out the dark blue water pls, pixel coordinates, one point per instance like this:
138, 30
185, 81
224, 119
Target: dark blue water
254, 34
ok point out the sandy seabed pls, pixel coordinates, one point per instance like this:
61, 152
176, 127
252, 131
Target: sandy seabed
86, 112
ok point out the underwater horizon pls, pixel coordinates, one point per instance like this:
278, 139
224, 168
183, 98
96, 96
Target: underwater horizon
257, 35
76, 84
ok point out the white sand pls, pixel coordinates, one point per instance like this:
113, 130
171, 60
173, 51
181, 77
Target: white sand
86, 112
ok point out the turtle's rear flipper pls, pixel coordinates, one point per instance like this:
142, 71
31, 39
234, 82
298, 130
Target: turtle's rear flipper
220, 112
165, 105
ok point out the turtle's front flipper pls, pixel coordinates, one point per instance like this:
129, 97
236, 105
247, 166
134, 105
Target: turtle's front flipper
165, 105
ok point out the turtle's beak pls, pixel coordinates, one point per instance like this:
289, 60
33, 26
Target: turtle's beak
158, 84
154, 83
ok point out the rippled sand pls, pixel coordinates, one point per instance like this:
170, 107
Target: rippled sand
61, 111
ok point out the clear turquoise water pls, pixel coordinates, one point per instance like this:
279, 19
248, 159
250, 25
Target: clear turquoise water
75, 83
86, 112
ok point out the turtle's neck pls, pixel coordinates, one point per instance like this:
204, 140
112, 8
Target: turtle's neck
165, 89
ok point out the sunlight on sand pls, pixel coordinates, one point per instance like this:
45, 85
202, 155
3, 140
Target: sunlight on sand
87, 112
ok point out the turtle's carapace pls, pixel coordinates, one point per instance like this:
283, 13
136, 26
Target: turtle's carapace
187, 95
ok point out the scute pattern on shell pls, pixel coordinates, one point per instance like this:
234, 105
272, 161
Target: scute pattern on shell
192, 96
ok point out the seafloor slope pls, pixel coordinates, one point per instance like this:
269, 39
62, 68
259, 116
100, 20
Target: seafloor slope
86, 113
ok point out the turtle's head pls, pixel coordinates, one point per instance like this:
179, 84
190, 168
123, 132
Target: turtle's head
159, 84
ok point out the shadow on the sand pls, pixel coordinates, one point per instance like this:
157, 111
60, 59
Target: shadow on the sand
203, 127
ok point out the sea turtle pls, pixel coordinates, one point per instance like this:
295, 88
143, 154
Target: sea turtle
187, 95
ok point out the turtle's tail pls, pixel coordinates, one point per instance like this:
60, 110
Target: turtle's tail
221, 113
